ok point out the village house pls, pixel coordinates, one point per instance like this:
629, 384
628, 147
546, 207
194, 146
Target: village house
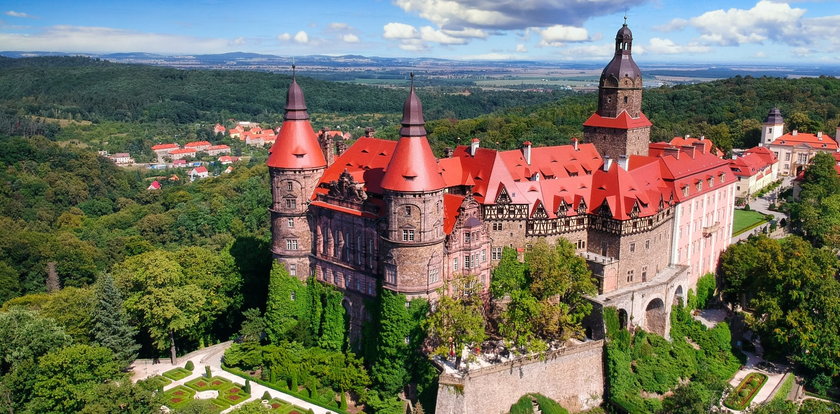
122, 158
219, 129
795, 149
198, 173
755, 169
227, 159
162, 150
217, 149
182, 153
198, 145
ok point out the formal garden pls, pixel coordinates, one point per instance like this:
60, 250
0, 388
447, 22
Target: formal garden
740, 398
745, 220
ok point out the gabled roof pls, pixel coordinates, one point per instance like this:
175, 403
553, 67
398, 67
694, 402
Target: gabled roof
707, 144
164, 146
197, 144
365, 160
199, 170
622, 121
823, 142
754, 161
218, 147
451, 206
183, 151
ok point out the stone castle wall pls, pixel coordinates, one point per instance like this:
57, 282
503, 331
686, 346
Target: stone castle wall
573, 376
613, 142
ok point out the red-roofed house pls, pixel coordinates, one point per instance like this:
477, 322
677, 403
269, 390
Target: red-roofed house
709, 147
217, 149
198, 145
795, 149
227, 159
182, 153
755, 169
219, 129
161, 150
198, 173
155, 185
236, 132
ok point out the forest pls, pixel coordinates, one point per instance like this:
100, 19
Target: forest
96, 270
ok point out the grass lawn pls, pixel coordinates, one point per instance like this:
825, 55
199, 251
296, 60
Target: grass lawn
178, 397
176, 374
745, 220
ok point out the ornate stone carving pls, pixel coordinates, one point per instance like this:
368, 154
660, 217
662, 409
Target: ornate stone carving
346, 188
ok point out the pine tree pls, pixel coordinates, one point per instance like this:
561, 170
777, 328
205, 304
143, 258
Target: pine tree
110, 322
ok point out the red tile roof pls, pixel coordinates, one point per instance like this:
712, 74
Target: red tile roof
296, 147
218, 147
183, 151
197, 144
164, 146
622, 121
198, 170
413, 167
803, 138
754, 161
708, 145
451, 205
365, 160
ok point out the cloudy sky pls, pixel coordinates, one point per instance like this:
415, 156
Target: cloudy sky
731, 31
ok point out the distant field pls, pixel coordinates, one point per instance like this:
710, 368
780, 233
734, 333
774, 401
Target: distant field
745, 220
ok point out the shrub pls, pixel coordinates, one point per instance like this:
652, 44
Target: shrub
548, 406
266, 396
189, 366
523, 406
248, 386
705, 290
207, 372
747, 207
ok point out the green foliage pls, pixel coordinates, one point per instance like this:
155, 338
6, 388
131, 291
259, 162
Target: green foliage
110, 322
785, 280
523, 405
333, 326
706, 286
548, 406
189, 366
743, 394
508, 275
121, 396
458, 317
817, 213
287, 305
67, 376
389, 370
253, 326
26, 337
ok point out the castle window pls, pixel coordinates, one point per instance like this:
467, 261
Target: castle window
293, 296
408, 235
455, 264
685, 190
625, 99
467, 237
359, 284
290, 222
711, 182
291, 203
292, 270
647, 244
390, 274
467, 262
289, 186
629, 276
632, 247
407, 211
433, 275
699, 185
644, 273
291, 244
483, 255
496, 253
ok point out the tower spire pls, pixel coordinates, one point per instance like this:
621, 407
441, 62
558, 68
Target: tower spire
413, 124
295, 103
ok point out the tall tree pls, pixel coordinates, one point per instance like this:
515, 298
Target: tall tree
27, 336
111, 328
457, 319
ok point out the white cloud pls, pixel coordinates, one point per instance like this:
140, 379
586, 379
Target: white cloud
301, 37
520, 48
339, 26
429, 34
350, 38
86, 39
558, 35
676, 24
590, 52
507, 14
399, 31
284, 37
13, 13
239, 41
659, 46
490, 56
466, 32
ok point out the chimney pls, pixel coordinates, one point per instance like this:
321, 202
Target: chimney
526, 151
702, 137
687, 136
700, 146
795, 132
623, 162
688, 149
575, 142
474, 146
673, 151
819, 136
607, 162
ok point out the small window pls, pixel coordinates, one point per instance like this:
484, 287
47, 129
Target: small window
685, 190
293, 296
466, 262
407, 211
496, 253
629, 276
433, 275
644, 273
483, 255
647, 244
625, 99
291, 244
711, 182
632, 247
291, 203
290, 222
292, 270
699, 185
390, 274
289, 186
455, 264
408, 235
467, 237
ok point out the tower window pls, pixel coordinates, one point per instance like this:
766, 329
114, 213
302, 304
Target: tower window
408, 235
407, 211
433, 275
625, 99
289, 186
291, 244
292, 271
290, 222
291, 203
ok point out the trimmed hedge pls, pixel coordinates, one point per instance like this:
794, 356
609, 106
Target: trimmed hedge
740, 398
276, 387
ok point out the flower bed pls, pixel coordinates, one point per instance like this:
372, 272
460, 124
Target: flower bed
234, 394
178, 397
740, 398
176, 374
205, 384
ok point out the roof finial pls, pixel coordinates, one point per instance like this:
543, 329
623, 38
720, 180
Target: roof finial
625, 17
411, 75
294, 73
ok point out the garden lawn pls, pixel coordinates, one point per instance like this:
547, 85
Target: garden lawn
178, 397
176, 374
746, 220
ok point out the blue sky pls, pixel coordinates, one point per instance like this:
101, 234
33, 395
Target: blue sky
734, 31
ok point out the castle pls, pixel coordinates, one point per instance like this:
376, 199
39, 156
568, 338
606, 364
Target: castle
650, 218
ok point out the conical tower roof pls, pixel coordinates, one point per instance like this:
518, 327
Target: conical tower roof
413, 167
622, 64
296, 145
774, 117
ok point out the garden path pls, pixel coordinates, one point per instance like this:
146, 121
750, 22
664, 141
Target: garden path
212, 356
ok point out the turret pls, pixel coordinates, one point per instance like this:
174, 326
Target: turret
772, 128
413, 188
295, 163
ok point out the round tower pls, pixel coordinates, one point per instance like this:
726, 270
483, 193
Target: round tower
413, 193
295, 163
773, 127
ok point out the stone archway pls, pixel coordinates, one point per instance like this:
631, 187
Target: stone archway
622, 319
655, 317
679, 296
